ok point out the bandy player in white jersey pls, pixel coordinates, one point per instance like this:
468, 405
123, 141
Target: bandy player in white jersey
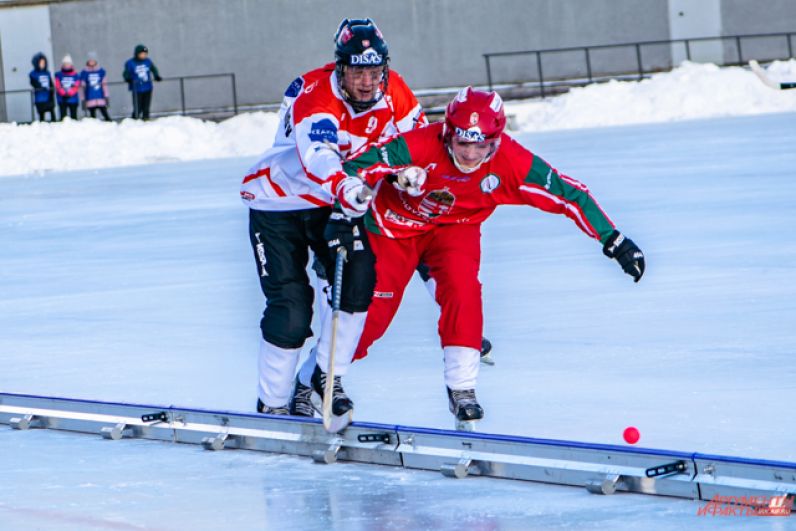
326, 114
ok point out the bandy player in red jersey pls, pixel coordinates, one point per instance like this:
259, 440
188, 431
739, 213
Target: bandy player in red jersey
326, 114
447, 179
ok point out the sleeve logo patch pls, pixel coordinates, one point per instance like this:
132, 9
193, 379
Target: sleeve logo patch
295, 88
324, 131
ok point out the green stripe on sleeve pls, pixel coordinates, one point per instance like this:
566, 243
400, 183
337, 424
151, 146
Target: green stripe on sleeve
393, 153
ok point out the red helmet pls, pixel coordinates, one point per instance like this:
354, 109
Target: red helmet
475, 116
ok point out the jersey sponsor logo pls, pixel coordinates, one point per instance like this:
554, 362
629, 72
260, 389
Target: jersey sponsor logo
490, 183
457, 178
310, 87
366, 58
398, 219
295, 88
474, 118
142, 71
548, 179
437, 203
247, 196
94, 80
323, 131
473, 134
383, 294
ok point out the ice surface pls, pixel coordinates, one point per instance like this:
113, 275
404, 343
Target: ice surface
137, 284
69, 481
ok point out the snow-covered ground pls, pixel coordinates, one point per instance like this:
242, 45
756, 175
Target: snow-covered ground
137, 284
690, 91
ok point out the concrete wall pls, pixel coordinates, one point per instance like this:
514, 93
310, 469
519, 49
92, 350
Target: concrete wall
268, 42
759, 16
434, 43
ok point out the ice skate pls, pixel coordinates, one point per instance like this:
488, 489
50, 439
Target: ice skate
300, 404
342, 406
465, 408
262, 408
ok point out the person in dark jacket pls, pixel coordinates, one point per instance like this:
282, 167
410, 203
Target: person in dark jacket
139, 71
43, 92
95, 87
67, 89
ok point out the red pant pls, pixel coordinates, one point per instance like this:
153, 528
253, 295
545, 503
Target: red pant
453, 255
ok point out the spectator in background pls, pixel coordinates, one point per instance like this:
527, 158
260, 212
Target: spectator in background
95, 88
67, 88
42, 82
139, 71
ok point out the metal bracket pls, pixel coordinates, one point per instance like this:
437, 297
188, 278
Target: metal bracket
215, 443
458, 470
374, 437
329, 455
27, 422
160, 416
114, 433
605, 485
678, 467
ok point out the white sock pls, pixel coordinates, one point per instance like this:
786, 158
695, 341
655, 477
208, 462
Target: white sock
276, 367
461, 367
349, 330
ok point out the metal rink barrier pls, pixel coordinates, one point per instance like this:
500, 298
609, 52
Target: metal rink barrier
600, 468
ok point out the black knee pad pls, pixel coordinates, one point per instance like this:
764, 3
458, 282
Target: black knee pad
288, 315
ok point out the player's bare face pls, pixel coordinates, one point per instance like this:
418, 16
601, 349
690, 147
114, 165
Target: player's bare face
470, 155
362, 83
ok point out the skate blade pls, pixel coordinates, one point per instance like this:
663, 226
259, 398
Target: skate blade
466, 425
337, 423
487, 359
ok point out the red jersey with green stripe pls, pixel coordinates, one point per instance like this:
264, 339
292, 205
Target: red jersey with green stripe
513, 176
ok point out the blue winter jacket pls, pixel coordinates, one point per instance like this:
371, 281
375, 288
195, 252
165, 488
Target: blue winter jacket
139, 74
41, 80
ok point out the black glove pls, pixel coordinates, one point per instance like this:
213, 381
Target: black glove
345, 231
158, 79
626, 253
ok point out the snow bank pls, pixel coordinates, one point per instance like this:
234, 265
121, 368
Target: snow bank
90, 144
690, 91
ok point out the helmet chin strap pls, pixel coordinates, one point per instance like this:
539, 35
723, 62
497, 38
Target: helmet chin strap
459, 166
474, 168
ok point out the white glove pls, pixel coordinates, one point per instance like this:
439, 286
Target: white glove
410, 180
354, 196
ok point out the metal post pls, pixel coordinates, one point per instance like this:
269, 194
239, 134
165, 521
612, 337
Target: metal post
790, 46
234, 94
32, 107
588, 65
182, 95
687, 49
638, 60
539, 69
488, 71
738, 43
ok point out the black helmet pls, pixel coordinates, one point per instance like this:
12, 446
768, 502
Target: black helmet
359, 43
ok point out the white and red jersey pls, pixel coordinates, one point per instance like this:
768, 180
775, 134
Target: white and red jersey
513, 176
317, 126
